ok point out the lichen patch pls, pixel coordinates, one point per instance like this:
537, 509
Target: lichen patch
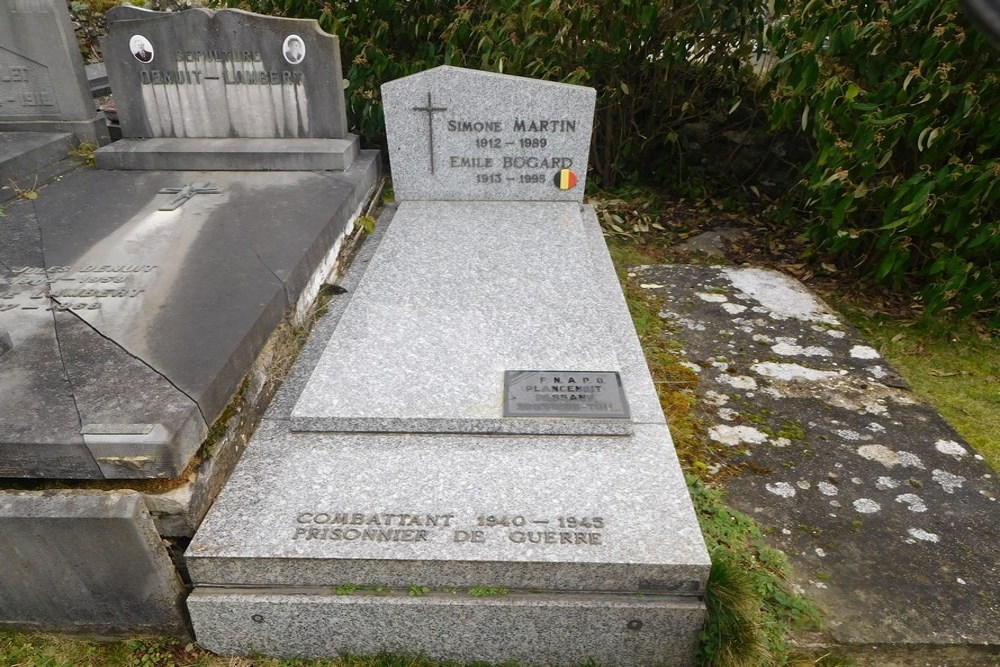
786, 350
744, 382
736, 435
781, 295
792, 372
879, 453
912, 502
947, 480
866, 506
864, 352
827, 489
783, 489
886, 483
921, 534
733, 308
951, 448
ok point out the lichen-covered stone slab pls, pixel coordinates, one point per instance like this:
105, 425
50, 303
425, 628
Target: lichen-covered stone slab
890, 520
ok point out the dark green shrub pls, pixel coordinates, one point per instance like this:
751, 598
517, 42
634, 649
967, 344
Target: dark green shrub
656, 65
901, 99
90, 25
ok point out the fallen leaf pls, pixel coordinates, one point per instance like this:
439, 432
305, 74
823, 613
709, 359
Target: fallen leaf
942, 374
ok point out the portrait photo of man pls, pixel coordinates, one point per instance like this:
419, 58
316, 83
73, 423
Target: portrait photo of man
141, 48
294, 49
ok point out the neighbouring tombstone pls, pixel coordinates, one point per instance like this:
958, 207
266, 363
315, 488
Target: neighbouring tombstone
46, 108
470, 452
44, 86
133, 304
225, 89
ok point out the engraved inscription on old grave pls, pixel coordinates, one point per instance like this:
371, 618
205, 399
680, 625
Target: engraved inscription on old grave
25, 87
586, 394
457, 134
529, 529
72, 288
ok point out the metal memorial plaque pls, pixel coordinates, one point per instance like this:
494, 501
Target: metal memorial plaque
581, 394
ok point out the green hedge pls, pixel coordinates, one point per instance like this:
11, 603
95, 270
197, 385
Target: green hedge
901, 99
655, 65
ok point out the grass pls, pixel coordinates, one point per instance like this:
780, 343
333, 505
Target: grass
42, 650
953, 365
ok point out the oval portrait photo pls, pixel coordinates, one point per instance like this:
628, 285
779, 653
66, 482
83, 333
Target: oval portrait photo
294, 49
141, 48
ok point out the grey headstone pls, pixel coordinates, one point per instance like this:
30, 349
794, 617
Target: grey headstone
225, 73
458, 134
44, 86
85, 561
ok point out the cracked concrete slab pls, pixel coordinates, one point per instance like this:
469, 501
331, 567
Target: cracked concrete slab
127, 329
889, 519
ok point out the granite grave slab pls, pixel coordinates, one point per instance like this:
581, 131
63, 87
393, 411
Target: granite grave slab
447, 298
225, 89
394, 468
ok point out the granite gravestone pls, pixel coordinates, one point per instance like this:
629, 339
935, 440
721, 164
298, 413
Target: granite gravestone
133, 304
485, 136
553, 538
225, 90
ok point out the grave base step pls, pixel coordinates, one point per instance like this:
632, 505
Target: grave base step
225, 154
24, 153
530, 628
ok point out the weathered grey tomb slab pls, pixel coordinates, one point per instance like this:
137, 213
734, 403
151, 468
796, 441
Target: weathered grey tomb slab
108, 544
130, 332
225, 89
564, 522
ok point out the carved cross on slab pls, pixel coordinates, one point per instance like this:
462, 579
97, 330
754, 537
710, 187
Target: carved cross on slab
431, 110
186, 192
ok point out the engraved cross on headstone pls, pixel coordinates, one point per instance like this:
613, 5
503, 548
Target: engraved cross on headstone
430, 109
186, 192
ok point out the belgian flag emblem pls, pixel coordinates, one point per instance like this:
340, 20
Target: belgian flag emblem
565, 179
